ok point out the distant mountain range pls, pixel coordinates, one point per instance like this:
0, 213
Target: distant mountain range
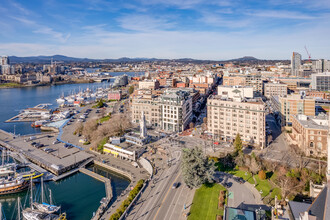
61, 58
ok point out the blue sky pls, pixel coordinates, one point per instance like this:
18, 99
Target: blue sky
212, 29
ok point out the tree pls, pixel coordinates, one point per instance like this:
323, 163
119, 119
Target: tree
196, 168
239, 159
131, 89
89, 128
262, 174
191, 125
238, 143
254, 165
79, 128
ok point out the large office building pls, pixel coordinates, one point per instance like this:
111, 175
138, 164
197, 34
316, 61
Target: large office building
295, 104
275, 89
321, 81
229, 116
295, 63
176, 107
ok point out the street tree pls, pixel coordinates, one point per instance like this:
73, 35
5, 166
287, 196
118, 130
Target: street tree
131, 89
196, 168
238, 143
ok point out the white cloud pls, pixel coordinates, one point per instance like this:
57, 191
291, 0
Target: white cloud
281, 14
41, 29
139, 22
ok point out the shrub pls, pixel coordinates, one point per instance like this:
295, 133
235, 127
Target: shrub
127, 201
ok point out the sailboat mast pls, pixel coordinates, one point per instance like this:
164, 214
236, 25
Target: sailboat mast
50, 197
19, 208
31, 196
42, 189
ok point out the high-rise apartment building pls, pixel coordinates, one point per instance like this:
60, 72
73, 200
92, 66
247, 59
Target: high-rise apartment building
320, 66
4, 60
295, 63
321, 81
226, 117
295, 104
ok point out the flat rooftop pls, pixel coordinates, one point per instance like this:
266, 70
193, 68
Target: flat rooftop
310, 121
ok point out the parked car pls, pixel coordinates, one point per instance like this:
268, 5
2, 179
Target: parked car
56, 142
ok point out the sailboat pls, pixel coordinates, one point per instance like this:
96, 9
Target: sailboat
35, 214
43, 206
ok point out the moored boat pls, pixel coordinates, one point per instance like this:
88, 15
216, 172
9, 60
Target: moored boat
12, 185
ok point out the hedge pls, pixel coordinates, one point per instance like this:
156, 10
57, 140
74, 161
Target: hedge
127, 201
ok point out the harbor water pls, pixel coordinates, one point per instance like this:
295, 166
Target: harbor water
79, 195
13, 100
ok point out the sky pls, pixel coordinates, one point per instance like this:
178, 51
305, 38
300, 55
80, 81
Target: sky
199, 29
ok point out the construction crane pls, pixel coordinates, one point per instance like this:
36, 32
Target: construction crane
309, 55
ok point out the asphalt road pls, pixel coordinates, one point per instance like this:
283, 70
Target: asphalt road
159, 200
239, 195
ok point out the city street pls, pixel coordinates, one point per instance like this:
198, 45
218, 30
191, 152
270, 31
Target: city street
160, 200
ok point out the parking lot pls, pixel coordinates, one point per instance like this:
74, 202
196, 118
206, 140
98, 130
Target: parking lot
49, 151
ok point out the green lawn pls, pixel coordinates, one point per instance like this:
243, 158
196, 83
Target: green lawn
205, 203
247, 176
276, 192
263, 185
9, 85
105, 118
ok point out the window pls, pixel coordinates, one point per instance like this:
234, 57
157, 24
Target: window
312, 137
311, 144
319, 145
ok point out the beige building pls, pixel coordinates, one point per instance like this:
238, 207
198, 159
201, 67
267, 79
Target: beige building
228, 116
149, 84
254, 81
233, 80
310, 134
295, 104
149, 104
275, 89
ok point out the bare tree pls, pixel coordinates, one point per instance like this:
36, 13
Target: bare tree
90, 129
79, 128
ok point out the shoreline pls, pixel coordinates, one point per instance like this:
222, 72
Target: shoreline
17, 85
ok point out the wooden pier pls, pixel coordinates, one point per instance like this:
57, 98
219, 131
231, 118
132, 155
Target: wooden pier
108, 190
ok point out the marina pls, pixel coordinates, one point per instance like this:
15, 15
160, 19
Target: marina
58, 167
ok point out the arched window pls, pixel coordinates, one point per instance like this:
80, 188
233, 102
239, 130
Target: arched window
311, 144
319, 145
